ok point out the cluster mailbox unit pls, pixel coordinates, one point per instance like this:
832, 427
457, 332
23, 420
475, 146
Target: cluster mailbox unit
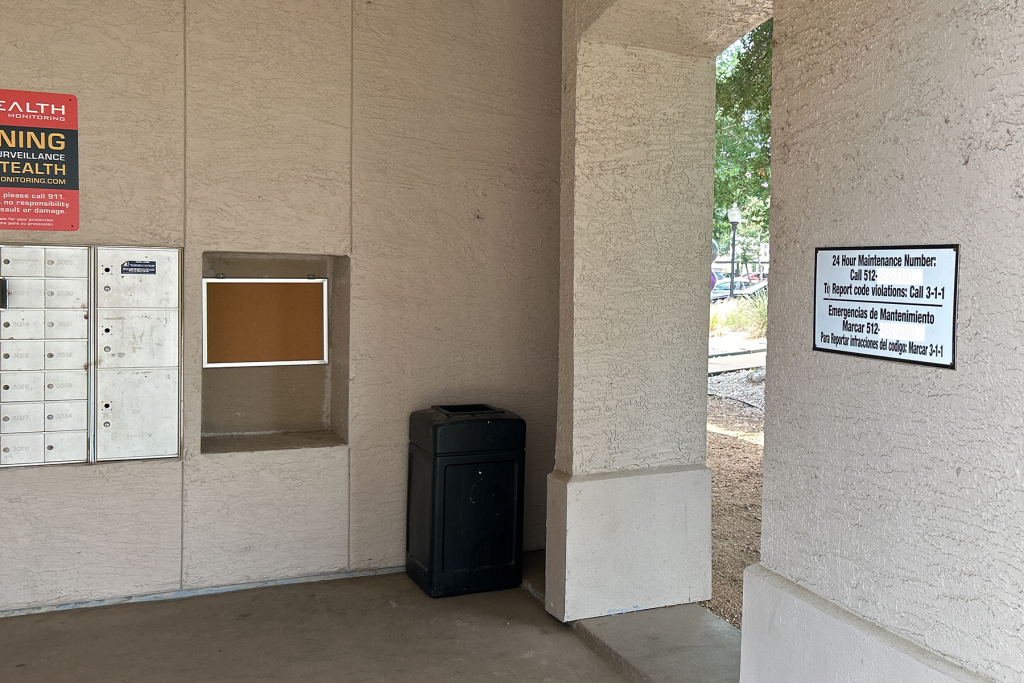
90, 354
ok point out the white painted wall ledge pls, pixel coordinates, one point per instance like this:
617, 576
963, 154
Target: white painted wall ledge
793, 635
627, 541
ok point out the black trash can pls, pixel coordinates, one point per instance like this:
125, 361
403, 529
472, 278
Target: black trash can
464, 529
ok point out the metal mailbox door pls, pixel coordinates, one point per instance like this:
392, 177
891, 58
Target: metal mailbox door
67, 262
64, 416
137, 338
21, 417
59, 324
66, 386
66, 355
66, 446
22, 261
21, 386
137, 414
67, 293
21, 449
25, 293
21, 355
136, 278
21, 324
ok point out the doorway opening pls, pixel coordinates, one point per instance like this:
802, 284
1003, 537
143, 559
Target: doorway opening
737, 341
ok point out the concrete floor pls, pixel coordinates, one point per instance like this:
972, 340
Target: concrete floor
681, 644
380, 628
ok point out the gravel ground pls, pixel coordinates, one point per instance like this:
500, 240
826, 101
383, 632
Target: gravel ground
735, 460
735, 385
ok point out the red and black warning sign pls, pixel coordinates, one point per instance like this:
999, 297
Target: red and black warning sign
38, 161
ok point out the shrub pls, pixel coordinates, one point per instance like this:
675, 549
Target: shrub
725, 317
748, 314
753, 312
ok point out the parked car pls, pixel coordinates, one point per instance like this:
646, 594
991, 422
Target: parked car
743, 288
721, 289
754, 289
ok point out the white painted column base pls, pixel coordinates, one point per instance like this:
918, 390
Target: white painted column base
627, 541
792, 635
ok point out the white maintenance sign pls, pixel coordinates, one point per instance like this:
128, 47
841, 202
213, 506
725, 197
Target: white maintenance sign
897, 303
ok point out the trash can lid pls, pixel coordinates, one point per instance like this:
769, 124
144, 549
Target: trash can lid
466, 428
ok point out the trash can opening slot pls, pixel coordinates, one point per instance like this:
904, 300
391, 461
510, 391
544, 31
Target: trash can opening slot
469, 409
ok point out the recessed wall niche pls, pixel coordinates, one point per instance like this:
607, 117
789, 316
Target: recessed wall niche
281, 406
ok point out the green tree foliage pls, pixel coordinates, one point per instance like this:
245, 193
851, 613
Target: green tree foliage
743, 140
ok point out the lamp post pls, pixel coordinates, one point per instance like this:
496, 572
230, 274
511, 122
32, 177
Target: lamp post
734, 217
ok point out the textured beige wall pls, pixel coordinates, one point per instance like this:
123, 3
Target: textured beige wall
130, 109
265, 399
891, 489
641, 227
89, 532
454, 263
637, 181
268, 144
265, 515
268, 168
73, 533
227, 127
267, 92
268, 125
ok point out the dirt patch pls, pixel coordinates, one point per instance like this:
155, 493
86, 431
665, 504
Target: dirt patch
734, 454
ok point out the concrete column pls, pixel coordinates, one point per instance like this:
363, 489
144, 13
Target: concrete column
629, 502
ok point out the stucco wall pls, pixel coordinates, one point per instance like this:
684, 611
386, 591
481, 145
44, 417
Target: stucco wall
265, 515
791, 635
637, 184
455, 238
641, 217
229, 127
268, 125
73, 533
130, 104
901, 124
77, 532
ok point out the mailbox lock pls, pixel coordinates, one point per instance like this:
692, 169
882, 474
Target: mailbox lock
49, 417
7, 449
7, 261
7, 324
7, 355
107, 288
106, 348
49, 324
7, 418
49, 294
48, 386
105, 424
8, 386
49, 355
50, 447
49, 262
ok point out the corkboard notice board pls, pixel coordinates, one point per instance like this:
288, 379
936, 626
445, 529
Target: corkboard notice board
264, 322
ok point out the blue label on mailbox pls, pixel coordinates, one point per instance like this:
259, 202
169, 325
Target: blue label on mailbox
138, 268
